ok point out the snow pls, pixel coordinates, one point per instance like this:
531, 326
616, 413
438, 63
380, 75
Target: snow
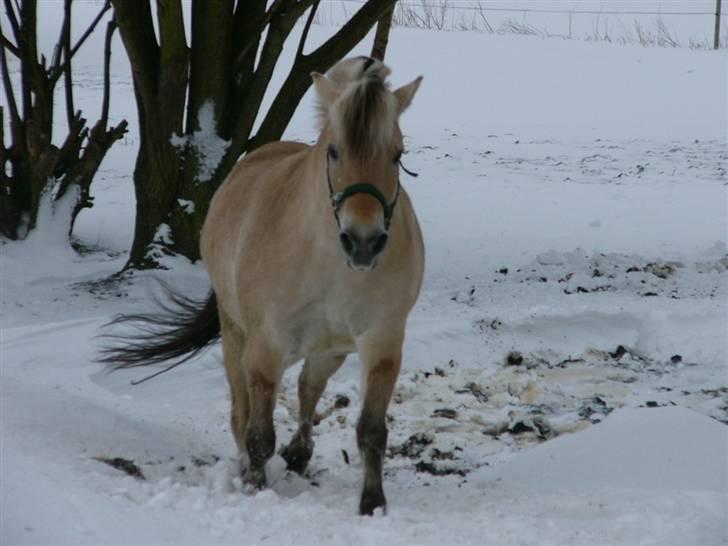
186, 205
573, 201
209, 148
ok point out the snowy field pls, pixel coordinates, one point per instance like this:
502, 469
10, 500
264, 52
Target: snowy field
565, 377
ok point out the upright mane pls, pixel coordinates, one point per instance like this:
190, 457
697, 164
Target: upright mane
364, 115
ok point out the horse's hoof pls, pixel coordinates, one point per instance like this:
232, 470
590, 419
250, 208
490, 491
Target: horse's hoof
297, 456
370, 501
254, 479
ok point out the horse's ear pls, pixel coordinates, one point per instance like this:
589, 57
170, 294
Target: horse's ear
327, 90
405, 93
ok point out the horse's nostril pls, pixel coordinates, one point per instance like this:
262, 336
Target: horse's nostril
346, 242
378, 244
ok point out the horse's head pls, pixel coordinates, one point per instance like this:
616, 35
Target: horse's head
360, 120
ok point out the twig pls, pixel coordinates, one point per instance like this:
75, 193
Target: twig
56, 73
306, 28
65, 45
10, 46
255, 34
110, 28
13, 17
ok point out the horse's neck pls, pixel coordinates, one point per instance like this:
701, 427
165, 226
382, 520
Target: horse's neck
316, 190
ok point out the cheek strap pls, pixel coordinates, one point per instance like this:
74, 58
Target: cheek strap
338, 198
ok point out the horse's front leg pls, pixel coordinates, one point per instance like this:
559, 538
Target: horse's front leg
381, 355
263, 371
311, 384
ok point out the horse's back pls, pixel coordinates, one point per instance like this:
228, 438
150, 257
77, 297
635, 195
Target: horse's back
256, 183
266, 160
254, 202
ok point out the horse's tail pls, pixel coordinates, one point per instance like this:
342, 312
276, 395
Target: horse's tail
181, 329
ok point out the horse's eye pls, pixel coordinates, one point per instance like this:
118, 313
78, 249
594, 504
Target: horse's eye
398, 156
333, 154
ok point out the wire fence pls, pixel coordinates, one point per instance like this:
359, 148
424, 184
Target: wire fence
607, 25
478, 6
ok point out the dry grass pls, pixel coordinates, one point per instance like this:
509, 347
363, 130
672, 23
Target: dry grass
448, 15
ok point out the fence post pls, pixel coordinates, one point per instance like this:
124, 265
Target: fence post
716, 39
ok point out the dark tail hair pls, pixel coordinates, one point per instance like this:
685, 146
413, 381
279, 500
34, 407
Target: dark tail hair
180, 330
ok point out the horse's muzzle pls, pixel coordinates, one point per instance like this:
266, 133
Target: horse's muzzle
362, 251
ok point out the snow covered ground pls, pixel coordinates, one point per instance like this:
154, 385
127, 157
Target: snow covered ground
566, 367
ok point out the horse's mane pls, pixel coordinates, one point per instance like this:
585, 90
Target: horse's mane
364, 115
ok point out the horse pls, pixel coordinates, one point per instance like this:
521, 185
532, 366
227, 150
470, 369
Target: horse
313, 252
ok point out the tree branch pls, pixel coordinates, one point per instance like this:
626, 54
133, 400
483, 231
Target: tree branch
212, 35
381, 37
172, 77
65, 45
134, 18
251, 32
278, 30
349, 35
14, 24
10, 46
31, 73
110, 28
299, 79
55, 72
306, 28
15, 121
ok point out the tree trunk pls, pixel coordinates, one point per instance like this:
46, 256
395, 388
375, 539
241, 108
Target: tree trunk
227, 71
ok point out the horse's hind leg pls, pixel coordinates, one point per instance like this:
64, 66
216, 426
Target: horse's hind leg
381, 355
232, 348
311, 384
263, 370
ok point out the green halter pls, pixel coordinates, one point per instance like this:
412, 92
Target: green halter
338, 198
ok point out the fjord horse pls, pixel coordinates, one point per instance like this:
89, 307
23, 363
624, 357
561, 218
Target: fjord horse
314, 252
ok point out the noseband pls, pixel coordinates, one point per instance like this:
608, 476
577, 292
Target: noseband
338, 198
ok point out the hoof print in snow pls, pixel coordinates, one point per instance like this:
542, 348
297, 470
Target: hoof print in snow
439, 372
446, 413
435, 470
474, 389
125, 465
594, 409
660, 270
413, 447
439, 455
618, 353
341, 401
514, 358
536, 424
208, 461
486, 325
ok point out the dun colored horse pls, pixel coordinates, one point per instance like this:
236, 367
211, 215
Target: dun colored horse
314, 252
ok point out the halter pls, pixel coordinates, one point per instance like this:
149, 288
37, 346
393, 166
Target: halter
338, 198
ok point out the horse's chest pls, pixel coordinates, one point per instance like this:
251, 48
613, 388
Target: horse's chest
317, 328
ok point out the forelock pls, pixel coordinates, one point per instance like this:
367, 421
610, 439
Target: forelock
365, 115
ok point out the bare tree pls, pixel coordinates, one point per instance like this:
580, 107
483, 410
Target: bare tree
37, 167
197, 103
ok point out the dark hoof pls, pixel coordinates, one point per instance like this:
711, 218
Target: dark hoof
297, 455
370, 501
255, 479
